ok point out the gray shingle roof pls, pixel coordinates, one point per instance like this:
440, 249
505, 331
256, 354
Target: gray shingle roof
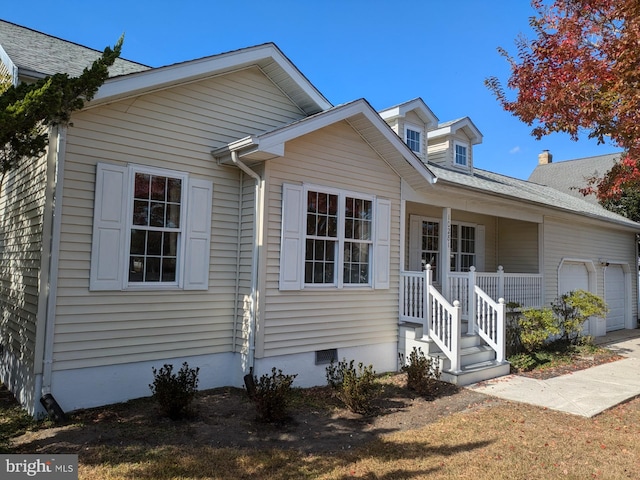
569, 175
37, 54
542, 195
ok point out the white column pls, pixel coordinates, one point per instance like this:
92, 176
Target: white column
445, 251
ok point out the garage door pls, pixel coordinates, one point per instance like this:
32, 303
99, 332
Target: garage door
574, 276
614, 296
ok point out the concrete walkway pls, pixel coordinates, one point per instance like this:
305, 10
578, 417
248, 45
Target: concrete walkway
585, 392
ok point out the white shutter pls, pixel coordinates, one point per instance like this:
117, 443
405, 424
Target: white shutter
291, 241
382, 244
198, 235
480, 248
108, 242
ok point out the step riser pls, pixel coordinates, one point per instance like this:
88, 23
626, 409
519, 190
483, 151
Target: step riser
477, 360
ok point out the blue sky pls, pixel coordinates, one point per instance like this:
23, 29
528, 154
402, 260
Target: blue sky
385, 51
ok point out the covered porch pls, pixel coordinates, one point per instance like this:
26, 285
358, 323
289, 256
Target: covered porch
455, 291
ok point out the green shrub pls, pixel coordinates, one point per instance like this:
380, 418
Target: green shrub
356, 388
422, 372
271, 395
174, 391
512, 329
535, 327
573, 309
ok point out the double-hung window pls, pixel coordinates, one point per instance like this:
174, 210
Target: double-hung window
338, 239
152, 229
156, 227
333, 238
413, 138
460, 155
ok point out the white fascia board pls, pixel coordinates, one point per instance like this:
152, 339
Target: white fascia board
11, 67
418, 105
163, 77
476, 136
274, 142
270, 141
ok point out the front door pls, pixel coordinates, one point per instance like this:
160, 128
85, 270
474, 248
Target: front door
466, 244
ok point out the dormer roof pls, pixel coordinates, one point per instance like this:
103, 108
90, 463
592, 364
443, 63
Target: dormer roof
452, 127
417, 106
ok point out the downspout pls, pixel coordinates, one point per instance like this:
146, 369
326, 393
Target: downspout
55, 188
257, 222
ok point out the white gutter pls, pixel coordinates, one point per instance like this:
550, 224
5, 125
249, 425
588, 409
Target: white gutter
257, 222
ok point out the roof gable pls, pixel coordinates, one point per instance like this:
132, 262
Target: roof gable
417, 105
268, 57
360, 116
452, 127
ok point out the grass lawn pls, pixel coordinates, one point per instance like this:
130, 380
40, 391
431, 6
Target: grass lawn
485, 440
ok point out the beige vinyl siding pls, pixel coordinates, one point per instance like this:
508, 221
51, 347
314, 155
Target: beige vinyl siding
316, 319
174, 129
22, 209
518, 246
438, 152
568, 240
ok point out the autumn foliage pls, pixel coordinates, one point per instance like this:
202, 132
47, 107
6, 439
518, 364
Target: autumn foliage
581, 74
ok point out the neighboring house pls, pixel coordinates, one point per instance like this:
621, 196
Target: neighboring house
222, 212
570, 176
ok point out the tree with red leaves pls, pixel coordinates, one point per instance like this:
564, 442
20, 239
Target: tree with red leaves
581, 74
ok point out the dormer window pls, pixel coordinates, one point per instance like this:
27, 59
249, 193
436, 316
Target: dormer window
413, 138
460, 155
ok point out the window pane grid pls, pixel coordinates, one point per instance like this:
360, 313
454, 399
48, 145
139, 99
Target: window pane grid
461, 155
339, 239
413, 140
156, 220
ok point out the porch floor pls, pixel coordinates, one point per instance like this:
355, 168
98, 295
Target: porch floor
587, 392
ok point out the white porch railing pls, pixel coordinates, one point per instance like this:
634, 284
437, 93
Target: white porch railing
472, 294
445, 322
523, 288
490, 322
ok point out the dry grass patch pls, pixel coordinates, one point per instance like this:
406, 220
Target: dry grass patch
462, 434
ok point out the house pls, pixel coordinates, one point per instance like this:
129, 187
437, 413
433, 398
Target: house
570, 176
223, 212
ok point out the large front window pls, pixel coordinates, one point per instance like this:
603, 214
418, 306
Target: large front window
338, 239
156, 228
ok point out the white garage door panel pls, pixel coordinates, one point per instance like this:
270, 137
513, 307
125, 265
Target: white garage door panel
574, 276
614, 296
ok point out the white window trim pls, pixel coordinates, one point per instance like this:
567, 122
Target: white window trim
293, 240
340, 238
415, 128
112, 223
457, 143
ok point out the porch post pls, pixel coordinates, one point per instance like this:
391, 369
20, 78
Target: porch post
471, 301
445, 252
500, 281
456, 323
426, 303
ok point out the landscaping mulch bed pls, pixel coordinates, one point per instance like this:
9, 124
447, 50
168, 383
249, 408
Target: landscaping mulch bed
578, 362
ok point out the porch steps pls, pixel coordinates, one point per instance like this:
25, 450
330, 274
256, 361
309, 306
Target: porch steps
477, 360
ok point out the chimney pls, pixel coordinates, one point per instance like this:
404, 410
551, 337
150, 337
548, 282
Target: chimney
545, 157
